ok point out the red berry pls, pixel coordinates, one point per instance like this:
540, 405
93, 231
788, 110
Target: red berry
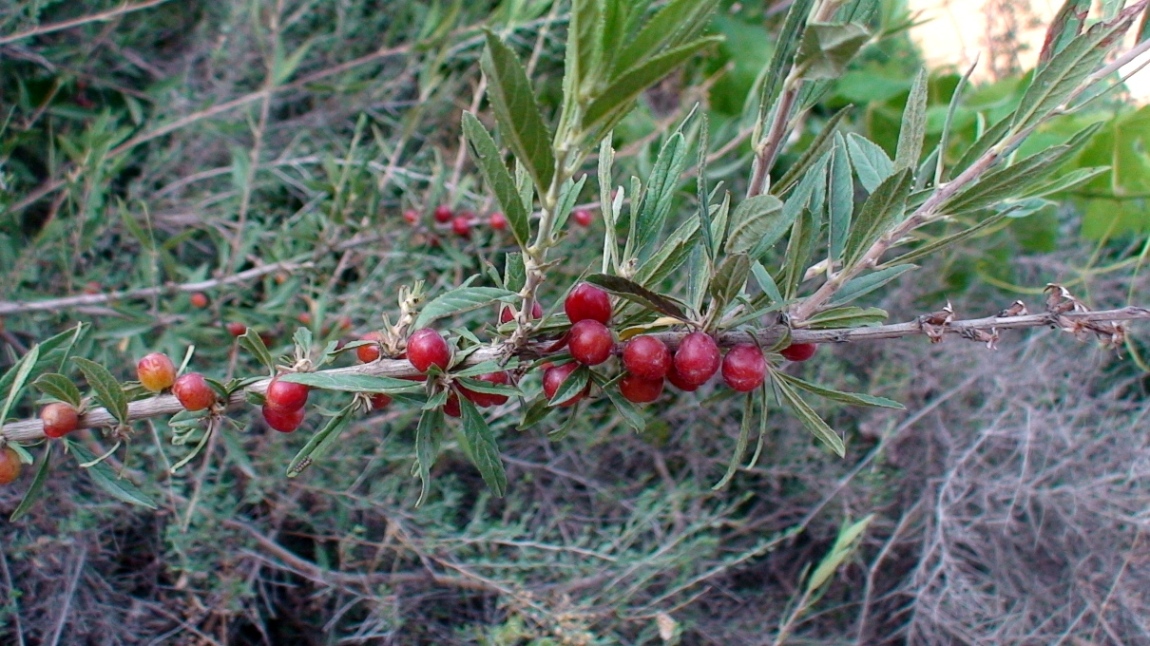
194, 392
282, 419
304, 318
799, 351
199, 300
554, 377
9, 465
487, 399
370, 352
588, 302
498, 221
93, 287
744, 367
156, 372
506, 314
697, 358
677, 381
640, 391
286, 395
59, 419
411, 216
582, 217
379, 401
235, 328
646, 357
451, 408
590, 342
443, 214
461, 226
426, 348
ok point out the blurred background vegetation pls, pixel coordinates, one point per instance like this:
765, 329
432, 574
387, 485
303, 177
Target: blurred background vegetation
272, 146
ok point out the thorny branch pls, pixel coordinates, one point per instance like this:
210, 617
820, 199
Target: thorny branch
1062, 311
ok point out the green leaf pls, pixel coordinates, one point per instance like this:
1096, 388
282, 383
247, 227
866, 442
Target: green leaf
648, 225
319, 444
1066, 71
869, 161
729, 279
883, 208
353, 383
989, 139
36, 491
930, 248
427, 447
845, 545
672, 253
814, 152
514, 271
515, 107
846, 317
756, 222
568, 195
109, 392
826, 49
913, 129
804, 236
51, 351
1067, 24
741, 444
20, 374
490, 163
629, 411
636, 293
853, 399
572, 386
459, 300
57, 385
1065, 182
616, 100
867, 283
840, 198
720, 218
283, 68
784, 54
484, 450
250, 340
583, 59
766, 282
813, 423
106, 478
671, 26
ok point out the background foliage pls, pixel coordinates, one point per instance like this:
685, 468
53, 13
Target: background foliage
198, 141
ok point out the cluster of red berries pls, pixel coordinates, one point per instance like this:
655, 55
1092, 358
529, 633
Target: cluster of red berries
463, 221
647, 359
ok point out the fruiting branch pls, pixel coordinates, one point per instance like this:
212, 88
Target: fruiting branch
973, 329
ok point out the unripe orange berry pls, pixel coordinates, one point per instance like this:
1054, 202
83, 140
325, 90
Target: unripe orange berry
156, 372
59, 419
9, 465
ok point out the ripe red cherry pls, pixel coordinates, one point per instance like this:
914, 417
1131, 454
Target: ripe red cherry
411, 216
59, 419
799, 351
286, 395
443, 214
744, 367
677, 381
9, 465
199, 300
379, 401
451, 408
426, 348
497, 221
588, 302
235, 328
193, 392
506, 313
554, 377
282, 419
371, 352
582, 217
461, 226
697, 358
640, 391
646, 357
156, 372
487, 399
590, 342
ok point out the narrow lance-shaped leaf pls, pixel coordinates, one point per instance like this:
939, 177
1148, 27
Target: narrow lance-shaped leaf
572, 386
109, 392
520, 119
828, 136
756, 222
319, 444
58, 386
251, 341
427, 447
661, 185
490, 163
845, 545
930, 248
826, 49
804, 237
627, 410
867, 283
913, 129
676, 22
809, 418
672, 253
869, 161
484, 450
103, 475
1067, 24
584, 50
882, 209
853, 399
729, 279
741, 444
636, 293
36, 491
353, 383
840, 198
846, 317
459, 300
20, 374
784, 53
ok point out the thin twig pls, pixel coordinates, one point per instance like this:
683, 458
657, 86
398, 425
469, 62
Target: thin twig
82, 20
32, 430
